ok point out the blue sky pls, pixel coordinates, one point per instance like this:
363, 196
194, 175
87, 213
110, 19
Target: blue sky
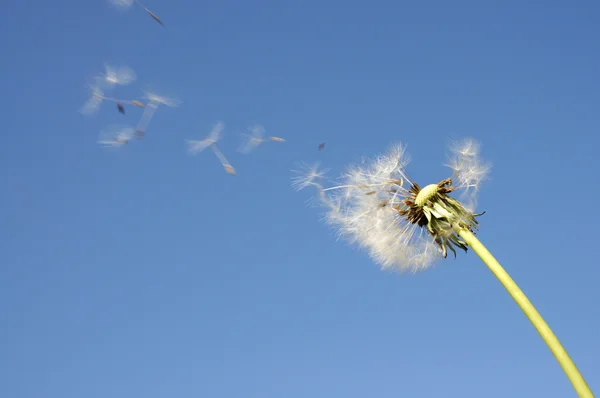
147, 272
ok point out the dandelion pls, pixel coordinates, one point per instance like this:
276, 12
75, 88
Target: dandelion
255, 137
116, 136
123, 4
152, 105
406, 227
197, 146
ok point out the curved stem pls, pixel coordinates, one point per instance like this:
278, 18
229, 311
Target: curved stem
534, 316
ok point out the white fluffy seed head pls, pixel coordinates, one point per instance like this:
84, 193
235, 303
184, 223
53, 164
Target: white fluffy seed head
363, 207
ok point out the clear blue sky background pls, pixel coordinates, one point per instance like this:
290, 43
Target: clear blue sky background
151, 273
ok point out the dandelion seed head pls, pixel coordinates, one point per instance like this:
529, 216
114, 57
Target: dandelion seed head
402, 226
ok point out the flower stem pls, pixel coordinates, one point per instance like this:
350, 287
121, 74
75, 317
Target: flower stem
534, 316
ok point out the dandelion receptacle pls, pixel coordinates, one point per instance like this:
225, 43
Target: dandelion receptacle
406, 227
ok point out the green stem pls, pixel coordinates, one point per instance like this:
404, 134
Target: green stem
534, 316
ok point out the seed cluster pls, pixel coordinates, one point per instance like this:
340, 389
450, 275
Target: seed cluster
433, 208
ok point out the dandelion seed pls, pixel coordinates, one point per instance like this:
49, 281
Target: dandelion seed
116, 136
125, 4
153, 15
121, 75
224, 162
92, 105
255, 137
154, 101
197, 146
160, 100
144, 122
121, 3
308, 175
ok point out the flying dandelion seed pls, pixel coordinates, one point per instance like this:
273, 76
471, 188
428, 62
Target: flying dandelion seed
255, 137
406, 227
197, 146
116, 136
92, 105
161, 100
125, 4
224, 162
116, 75
144, 122
154, 101
121, 3
308, 175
